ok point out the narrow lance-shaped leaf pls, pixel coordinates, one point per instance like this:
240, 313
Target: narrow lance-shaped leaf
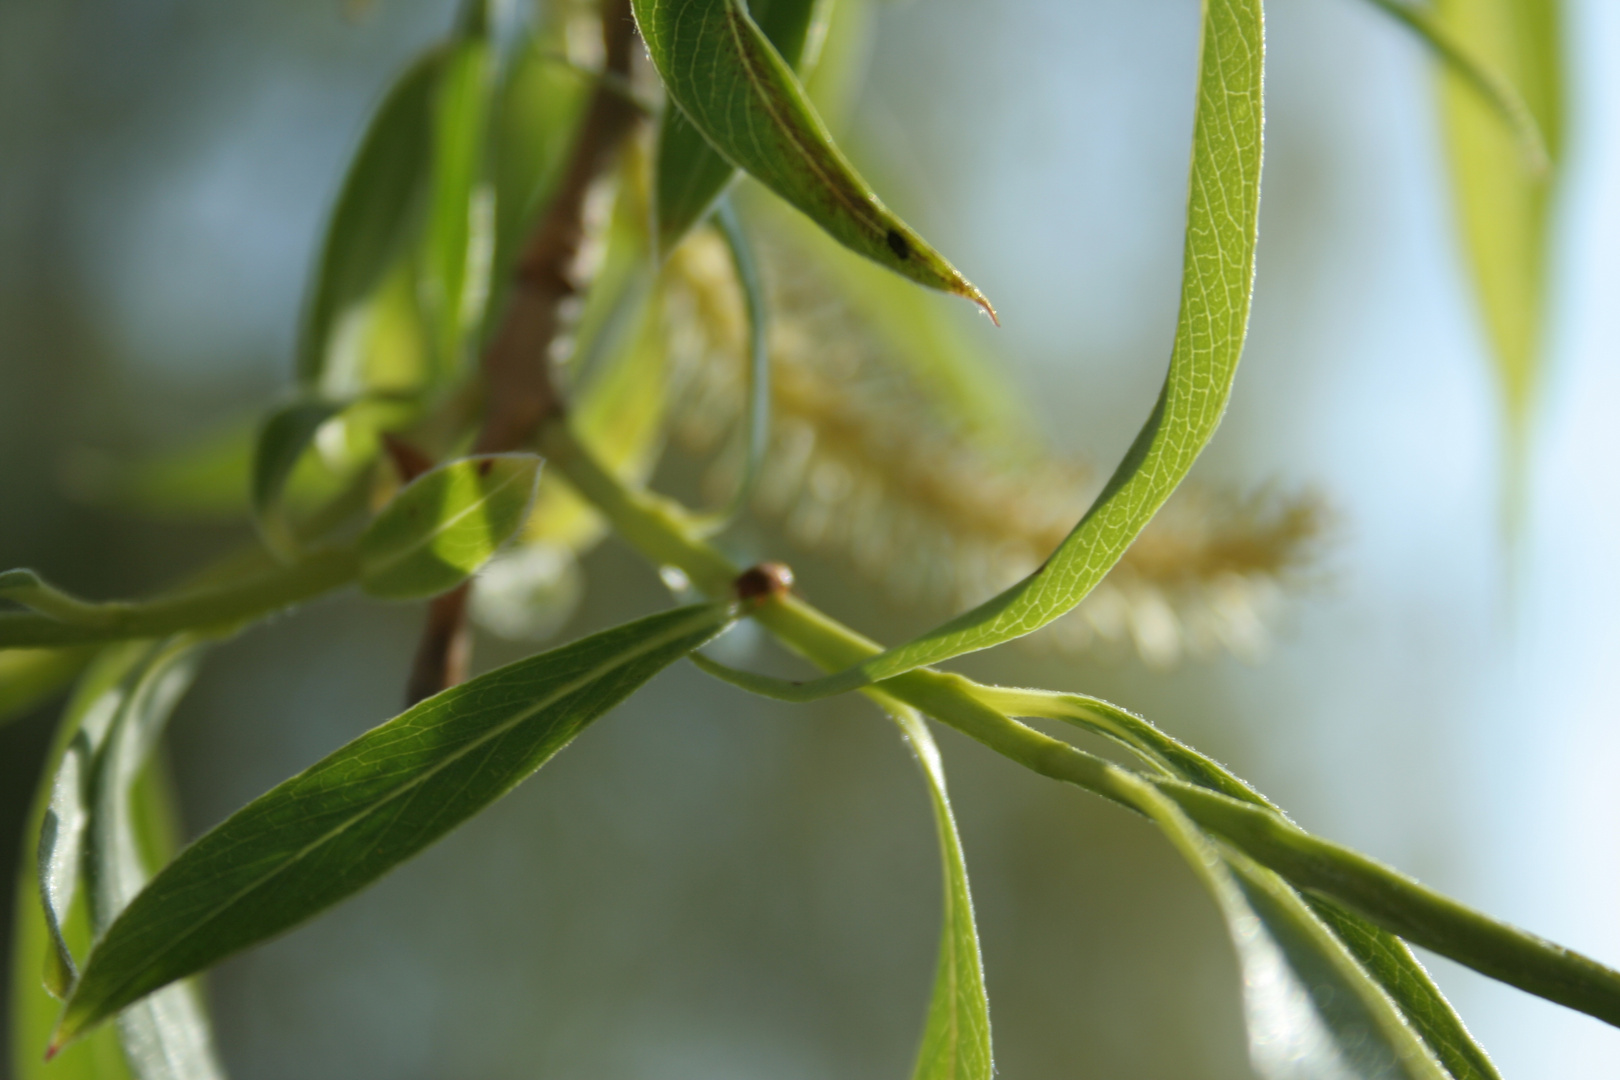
341, 824
690, 175
445, 524
1217, 277
459, 240
736, 89
370, 226
1383, 956
1504, 208
60, 855
166, 1036
33, 1011
1311, 1009
956, 1039
1496, 92
756, 432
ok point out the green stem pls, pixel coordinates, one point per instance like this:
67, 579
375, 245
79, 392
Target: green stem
658, 529
192, 609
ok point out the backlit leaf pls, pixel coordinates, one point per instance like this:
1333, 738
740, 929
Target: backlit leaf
690, 174
1505, 208
1312, 1011
730, 82
341, 824
1217, 276
956, 1039
286, 434
445, 524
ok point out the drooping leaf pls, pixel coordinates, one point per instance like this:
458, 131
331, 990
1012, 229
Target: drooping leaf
286, 434
1496, 92
690, 174
1504, 207
1311, 1009
956, 1038
735, 88
96, 704
445, 524
341, 824
371, 224
33, 1011
166, 1036
91, 828
459, 240
1384, 957
1217, 276
756, 420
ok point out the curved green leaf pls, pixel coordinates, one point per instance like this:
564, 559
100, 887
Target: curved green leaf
459, 240
1383, 956
445, 524
730, 82
689, 174
1217, 277
166, 1036
370, 227
1310, 1008
286, 434
341, 824
956, 1039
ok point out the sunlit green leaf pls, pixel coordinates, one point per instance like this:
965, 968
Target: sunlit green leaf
459, 239
372, 222
1217, 277
344, 822
690, 174
445, 524
956, 1039
1505, 208
734, 87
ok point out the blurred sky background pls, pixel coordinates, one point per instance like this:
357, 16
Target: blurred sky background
708, 887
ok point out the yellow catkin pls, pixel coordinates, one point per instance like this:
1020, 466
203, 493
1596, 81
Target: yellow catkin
860, 465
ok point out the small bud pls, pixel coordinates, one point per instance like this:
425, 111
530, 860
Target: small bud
763, 581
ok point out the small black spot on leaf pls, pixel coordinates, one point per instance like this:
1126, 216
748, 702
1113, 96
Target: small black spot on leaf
898, 244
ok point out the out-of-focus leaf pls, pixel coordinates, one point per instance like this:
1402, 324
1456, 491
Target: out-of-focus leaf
344, 822
33, 1010
956, 1039
756, 411
1384, 957
1217, 279
205, 477
442, 526
1505, 209
96, 704
286, 434
730, 82
380, 201
1311, 1009
165, 1036
537, 108
459, 240
30, 676
690, 174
